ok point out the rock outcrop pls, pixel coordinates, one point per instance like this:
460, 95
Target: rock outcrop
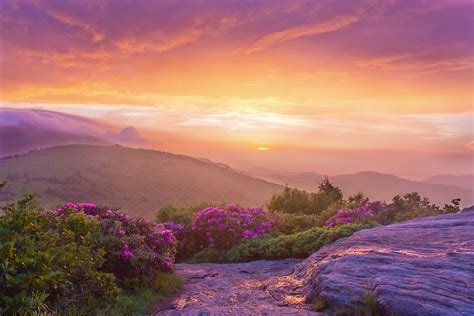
423, 266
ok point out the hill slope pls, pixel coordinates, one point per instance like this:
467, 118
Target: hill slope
464, 181
139, 181
377, 186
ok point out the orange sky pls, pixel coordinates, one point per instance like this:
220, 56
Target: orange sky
304, 79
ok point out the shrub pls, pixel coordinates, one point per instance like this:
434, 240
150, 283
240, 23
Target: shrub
50, 261
183, 215
412, 205
136, 250
299, 245
351, 216
295, 201
223, 228
293, 223
291, 201
79, 258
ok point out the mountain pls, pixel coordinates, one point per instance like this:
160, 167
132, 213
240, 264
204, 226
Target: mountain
378, 186
140, 181
22, 138
22, 130
464, 181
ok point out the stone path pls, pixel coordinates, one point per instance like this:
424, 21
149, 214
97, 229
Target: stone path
232, 289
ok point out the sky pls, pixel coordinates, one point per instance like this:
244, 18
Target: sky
324, 86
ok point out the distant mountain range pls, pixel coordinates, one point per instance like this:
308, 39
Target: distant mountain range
464, 181
22, 130
143, 180
140, 181
440, 189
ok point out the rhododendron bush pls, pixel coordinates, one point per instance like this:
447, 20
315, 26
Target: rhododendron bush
135, 248
80, 256
222, 229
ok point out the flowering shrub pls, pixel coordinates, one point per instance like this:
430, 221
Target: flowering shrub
49, 261
135, 248
224, 228
350, 216
80, 257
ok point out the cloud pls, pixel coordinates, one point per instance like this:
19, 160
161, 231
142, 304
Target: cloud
470, 145
68, 19
330, 25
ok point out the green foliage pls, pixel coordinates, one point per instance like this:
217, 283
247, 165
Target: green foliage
318, 305
35, 305
369, 307
327, 195
183, 215
293, 223
291, 201
299, 245
412, 205
208, 255
51, 255
295, 201
60, 261
141, 302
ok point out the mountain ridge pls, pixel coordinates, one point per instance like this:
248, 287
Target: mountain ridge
376, 185
138, 180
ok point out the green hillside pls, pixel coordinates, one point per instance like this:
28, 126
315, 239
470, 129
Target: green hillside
137, 180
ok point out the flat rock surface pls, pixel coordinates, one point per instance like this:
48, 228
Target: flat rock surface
230, 289
423, 266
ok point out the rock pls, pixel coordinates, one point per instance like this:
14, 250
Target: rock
230, 289
423, 266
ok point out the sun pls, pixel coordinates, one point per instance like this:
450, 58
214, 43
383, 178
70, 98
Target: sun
262, 148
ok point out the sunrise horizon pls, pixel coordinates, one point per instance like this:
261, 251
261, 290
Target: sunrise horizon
244, 83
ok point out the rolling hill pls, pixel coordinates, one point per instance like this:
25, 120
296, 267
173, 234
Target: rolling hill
464, 181
139, 181
377, 185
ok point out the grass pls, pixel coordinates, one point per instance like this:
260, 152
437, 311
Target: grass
142, 302
134, 303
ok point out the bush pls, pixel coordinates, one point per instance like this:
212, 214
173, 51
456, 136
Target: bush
299, 245
136, 250
50, 261
79, 258
183, 215
293, 223
411, 205
295, 201
222, 229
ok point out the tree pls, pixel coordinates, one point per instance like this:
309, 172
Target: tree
291, 200
327, 195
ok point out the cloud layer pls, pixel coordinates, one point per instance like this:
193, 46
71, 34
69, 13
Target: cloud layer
297, 75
